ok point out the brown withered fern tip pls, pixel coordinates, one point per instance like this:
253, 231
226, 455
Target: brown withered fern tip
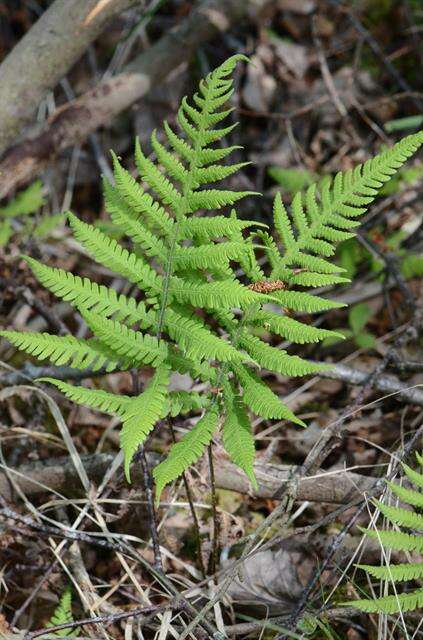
267, 286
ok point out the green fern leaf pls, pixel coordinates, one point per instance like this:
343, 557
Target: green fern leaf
141, 414
237, 434
95, 398
397, 540
65, 350
407, 495
260, 398
394, 573
83, 293
304, 302
291, 329
130, 195
131, 346
415, 477
401, 517
277, 359
341, 200
185, 452
392, 604
131, 225
214, 295
214, 227
211, 199
109, 253
207, 256
62, 615
198, 342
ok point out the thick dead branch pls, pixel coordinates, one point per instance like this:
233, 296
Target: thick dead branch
73, 122
45, 54
338, 487
383, 382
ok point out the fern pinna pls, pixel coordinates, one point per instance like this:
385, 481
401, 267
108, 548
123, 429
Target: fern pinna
408, 541
192, 312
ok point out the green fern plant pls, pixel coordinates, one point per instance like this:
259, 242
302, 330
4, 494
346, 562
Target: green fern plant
192, 313
62, 615
410, 540
16, 218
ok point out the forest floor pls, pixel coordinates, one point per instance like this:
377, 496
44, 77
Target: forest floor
329, 87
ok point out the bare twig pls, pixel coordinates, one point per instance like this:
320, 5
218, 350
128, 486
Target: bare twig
384, 383
215, 535
110, 619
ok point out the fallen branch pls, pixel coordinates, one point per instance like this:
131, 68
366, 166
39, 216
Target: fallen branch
384, 383
73, 122
338, 487
45, 54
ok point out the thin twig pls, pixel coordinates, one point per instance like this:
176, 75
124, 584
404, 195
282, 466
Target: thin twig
215, 536
149, 492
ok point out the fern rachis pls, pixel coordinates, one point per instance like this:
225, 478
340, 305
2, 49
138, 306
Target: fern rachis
191, 311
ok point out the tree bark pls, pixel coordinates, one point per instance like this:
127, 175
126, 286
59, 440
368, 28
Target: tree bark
44, 56
337, 486
72, 123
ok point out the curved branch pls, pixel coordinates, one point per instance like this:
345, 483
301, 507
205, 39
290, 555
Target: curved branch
45, 54
337, 487
73, 122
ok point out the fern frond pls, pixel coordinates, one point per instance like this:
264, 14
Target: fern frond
305, 302
414, 476
83, 293
237, 433
131, 225
183, 402
169, 161
109, 253
276, 359
207, 256
95, 398
65, 350
62, 615
340, 201
164, 188
141, 414
395, 572
214, 295
216, 173
392, 604
196, 340
211, 199
214, 227
397, 540
132, 346
401, 517
260, 398
407, 495
185, 452
130, 193
291, 329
